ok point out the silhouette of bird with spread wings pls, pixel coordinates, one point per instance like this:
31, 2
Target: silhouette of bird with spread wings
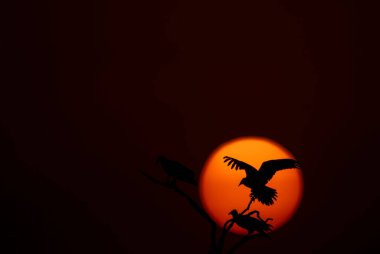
176, 171
256, 180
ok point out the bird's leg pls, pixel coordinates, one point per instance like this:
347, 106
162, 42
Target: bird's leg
258, 216
253, 212
249, 206
250, 203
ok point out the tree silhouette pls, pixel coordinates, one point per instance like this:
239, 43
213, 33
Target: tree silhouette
173, 186
175, 171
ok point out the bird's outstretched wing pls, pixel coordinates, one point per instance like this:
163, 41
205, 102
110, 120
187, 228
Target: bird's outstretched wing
269, 168
236, 164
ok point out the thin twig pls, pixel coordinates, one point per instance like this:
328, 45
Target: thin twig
191, 201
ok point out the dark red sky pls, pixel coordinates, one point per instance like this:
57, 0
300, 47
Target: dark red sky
93, 91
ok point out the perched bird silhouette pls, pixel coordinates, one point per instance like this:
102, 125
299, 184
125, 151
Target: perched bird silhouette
176, 171
251, 224
256, 180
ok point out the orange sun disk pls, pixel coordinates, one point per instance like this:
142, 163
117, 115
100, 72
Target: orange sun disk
220, 193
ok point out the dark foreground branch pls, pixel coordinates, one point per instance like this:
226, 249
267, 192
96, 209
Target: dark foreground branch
227, 227
243, 240
191, 201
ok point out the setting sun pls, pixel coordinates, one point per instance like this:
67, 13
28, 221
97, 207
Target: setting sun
220, 193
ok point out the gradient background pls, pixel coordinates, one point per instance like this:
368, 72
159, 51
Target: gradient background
93, 91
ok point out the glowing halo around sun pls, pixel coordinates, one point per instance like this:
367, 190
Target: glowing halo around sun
220, 193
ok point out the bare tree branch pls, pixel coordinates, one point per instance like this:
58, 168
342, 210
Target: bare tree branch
227, 227
243, 240
216, 246
191, 201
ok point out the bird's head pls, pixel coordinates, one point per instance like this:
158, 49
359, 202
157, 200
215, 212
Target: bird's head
243, 181
234, 213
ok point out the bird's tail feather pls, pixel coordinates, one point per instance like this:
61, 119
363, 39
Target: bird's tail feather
265, 195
